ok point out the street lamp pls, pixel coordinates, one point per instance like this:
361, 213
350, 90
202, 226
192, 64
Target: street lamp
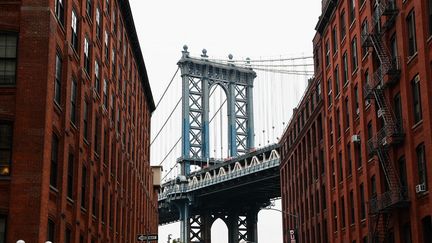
295, 216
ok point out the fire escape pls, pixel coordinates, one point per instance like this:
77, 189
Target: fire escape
387, 74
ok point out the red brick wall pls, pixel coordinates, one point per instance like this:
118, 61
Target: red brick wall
124, 175
415, 134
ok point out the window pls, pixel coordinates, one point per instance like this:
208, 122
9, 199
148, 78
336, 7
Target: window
342, 26
352, 212
412, 45
3, 227
107, 5
54, 161
106, 46
345, 68
57, 81
113, 62
85, 119
97, 135
105, 94
348, 150
74, 27
50, 230
331, 131
394, 50
354, 60
347, 113
68, 235
83, 186
8, 55
352, 10
6, 130
415, 86
356, 97
59, 11
70, 176
327, 55
342, 207
357, 152
73, 101
364, 36
421, 163
373, 187
341, 176
323, 197
406, 233
429, 13
97, 78
333, 178
103, 214
87, 55
397, 102
94, 201
362, 203
427, 229
98, 25
335, 220
338, 125
336, 78
402, 172
89, 8
334, 35
329, 94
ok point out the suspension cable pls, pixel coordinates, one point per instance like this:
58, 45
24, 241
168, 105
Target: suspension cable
166, 121
166, 89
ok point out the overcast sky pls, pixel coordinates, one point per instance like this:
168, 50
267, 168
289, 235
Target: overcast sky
255, 29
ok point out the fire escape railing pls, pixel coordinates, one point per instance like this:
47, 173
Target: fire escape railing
387, 74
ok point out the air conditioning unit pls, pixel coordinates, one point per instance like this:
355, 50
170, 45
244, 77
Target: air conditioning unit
384, 141
381, 113
355, 138
420, 188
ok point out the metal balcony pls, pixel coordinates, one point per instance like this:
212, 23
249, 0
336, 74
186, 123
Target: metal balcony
389, 200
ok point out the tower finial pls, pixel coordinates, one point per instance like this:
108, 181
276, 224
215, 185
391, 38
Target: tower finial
185, 51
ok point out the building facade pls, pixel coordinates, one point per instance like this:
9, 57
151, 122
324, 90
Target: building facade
373, 59
75, 107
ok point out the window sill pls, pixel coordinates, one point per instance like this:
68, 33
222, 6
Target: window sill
362, 7
5, 178
417, 125
70, 200
343, 40
353, 73
57, 108
352, 24
422, 195
365, 56
411, 58
53, 189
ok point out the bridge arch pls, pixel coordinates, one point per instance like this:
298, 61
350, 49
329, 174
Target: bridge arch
218, 121
219, 231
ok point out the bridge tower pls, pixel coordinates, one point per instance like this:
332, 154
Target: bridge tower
199, 75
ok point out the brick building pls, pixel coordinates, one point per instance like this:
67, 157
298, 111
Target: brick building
374, 61
75, 107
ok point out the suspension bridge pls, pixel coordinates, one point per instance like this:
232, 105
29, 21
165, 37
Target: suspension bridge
212, 166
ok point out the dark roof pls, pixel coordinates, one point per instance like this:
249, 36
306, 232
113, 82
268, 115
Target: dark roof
136, 49
329, 8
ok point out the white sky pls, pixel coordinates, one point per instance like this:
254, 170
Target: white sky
270, 28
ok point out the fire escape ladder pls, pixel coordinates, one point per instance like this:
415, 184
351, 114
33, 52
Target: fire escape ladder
379, 228
390, 128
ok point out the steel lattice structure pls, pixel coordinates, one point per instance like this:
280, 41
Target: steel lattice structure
199, 75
